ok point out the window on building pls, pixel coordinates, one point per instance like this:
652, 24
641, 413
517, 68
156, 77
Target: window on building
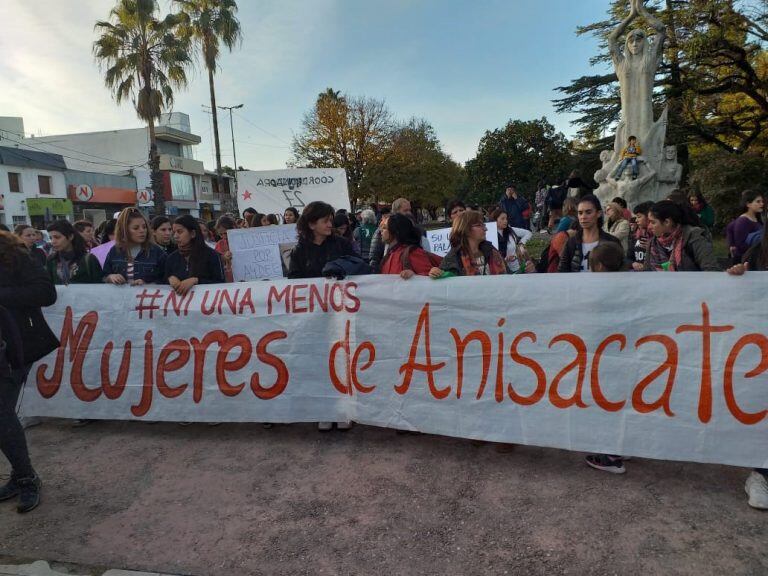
14, 181
19, 220
44, 184
182, 186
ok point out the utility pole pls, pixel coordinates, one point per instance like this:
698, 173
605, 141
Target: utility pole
232, 130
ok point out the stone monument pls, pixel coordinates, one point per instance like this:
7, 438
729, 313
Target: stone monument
636, 64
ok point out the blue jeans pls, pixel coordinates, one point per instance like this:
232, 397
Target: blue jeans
623, 164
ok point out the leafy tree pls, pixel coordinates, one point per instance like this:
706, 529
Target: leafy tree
713, 76
722, 177
415, 167
211, 23
353, 133
523, 153
145, 60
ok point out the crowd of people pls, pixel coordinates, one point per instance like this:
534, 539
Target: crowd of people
667, 236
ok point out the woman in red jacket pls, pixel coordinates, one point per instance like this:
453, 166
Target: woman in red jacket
405, 256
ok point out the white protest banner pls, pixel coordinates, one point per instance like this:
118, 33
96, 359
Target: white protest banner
256, 252
272, 191
440, 244
657, 365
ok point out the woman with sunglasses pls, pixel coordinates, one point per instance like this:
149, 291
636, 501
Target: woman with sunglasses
470, 254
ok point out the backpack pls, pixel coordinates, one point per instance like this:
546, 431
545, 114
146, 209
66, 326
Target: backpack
545, 260
405, 260
556, 197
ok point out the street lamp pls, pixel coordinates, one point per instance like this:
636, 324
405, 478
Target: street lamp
232, 131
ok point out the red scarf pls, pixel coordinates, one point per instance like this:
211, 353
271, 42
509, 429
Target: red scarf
495, 264
660, 250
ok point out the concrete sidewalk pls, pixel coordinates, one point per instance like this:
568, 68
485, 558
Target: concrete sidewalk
241, 500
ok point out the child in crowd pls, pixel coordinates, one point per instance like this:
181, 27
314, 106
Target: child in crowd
607, 257
629, 157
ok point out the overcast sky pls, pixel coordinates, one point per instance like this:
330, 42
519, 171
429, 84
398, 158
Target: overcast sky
466, 67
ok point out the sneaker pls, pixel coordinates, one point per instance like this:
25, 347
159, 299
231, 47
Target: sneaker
344, 426
325, 426
757, 490
10, 489
29, 494
612, 464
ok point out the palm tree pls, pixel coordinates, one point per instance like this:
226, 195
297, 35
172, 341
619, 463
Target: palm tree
146, 59
211, 23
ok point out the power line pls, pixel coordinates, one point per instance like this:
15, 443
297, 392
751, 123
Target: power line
260, 144
112, 164
267, 132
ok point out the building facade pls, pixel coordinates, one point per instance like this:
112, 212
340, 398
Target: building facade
32, 188
126, 153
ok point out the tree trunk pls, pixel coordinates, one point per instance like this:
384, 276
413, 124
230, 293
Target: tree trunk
156, 178
219, 179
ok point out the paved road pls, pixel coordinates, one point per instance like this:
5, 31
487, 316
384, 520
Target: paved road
238, 499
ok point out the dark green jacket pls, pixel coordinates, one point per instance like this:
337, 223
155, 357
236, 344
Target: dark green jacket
86, 270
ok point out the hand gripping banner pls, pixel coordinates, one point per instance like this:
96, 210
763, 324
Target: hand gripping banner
670, 366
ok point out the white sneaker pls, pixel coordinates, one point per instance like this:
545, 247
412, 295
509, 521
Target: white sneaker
325, 426
756, 488
344, 425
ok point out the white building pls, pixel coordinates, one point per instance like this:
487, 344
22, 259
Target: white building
33, 188
126, 152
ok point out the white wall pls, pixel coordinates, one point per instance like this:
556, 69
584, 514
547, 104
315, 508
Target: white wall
112, 152
15, 202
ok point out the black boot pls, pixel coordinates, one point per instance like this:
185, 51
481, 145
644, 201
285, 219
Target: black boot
29, 497
10, 489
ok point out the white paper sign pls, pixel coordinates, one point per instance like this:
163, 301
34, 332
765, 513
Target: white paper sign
628, 370
440, 244
256, 253
272, 191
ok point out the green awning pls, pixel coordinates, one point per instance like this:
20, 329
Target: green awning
54, 206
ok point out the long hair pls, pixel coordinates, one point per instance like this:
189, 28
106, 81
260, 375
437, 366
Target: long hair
403, 230
747, 197
570, 208
198, 253
13, 251
461, 228
66, 229
312, 212
226, 222
122, 235
670, 210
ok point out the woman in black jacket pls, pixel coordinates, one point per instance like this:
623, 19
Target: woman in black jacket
317, 243
24, 338
194, 262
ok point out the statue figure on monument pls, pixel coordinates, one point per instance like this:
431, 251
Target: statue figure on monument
636, 63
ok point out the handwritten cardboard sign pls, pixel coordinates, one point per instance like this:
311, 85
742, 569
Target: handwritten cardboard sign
256, 252
440, 244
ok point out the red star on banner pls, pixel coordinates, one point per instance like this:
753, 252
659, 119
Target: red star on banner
247, 195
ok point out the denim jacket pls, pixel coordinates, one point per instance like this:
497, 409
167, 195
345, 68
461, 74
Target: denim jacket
147, 266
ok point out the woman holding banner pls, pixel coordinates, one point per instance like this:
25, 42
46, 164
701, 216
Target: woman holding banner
470, 254
70, 262
194, 262
223, 225
756, 260
162, 233
24, 338
405, 255
317, 246
575, 256
134, 259
676, 244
